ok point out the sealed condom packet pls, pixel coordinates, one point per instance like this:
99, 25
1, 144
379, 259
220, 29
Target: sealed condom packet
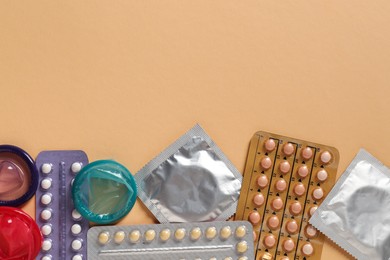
222, 240
190, 181
356, 213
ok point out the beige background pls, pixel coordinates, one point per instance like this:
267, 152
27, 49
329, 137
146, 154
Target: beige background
124, 79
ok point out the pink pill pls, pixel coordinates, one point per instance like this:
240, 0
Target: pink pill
262, 181
307, 153
312, 210
284, 167
322, 175
266, 163
273, 222
269, 241
295, 208
258, 199
303, 171
310, 231
288, 149
254, 217
325, 157
270, 145
299, 189
318, 193
307, 249
288, 245
277, 204
281, 185
292, 227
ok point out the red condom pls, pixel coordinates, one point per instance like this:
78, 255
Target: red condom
20, 237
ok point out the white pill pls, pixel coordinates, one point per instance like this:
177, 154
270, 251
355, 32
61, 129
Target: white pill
322, 175
318, 193
46, 214
46, 168
46, 199
77, 257
46, 257
76, 215
46, 230
77, 244
76, 167
46, 245
76, 229
307, 249
46, 184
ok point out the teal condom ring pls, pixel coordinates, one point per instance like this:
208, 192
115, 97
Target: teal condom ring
104, 191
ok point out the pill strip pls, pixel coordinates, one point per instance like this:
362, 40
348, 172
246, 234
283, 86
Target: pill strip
225, 240
285, 180
63, 228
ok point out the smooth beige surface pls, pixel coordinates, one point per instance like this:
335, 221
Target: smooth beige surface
124, 79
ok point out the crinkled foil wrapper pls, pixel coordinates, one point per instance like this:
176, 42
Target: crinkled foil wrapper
356, 213
190, 181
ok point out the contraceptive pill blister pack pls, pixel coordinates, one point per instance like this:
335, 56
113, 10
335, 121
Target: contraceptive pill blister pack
285, 180
63, 228
222, 240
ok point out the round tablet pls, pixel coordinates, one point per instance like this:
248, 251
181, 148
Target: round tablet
213, 258
288, 245
119, 237
77, 257
76, 167
277, 204
303, 171
110, 196
288, 149
46, 214
228, 258
270, 145
243, 258
180, 233
322, 175
20, 235
258, 199
269, 241
75, 229
46, 183
211, 232
318, 193
292, 227
46, 168
325, 157
266, 163
76, 215
46, 229
18, 176
254, 217
310, 231
104, 237
262, 181
307, 153
307, 249
242, 247
77, 244
150, 235
195, 233
295, 208
134, 236
46, 245
299, 189
281, 185
273, 222
46, 257
284, 167
46, 199
226, 232
240, 231
165, 234
312, 210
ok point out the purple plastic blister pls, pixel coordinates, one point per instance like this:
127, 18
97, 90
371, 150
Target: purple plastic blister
63, 228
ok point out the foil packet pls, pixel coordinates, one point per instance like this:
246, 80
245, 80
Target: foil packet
190, 181
356, 213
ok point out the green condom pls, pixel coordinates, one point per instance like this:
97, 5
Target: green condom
104, 191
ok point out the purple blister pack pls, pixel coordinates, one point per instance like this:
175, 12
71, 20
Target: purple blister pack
63, 228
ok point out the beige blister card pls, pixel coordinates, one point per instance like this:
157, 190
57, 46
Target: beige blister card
285, 180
